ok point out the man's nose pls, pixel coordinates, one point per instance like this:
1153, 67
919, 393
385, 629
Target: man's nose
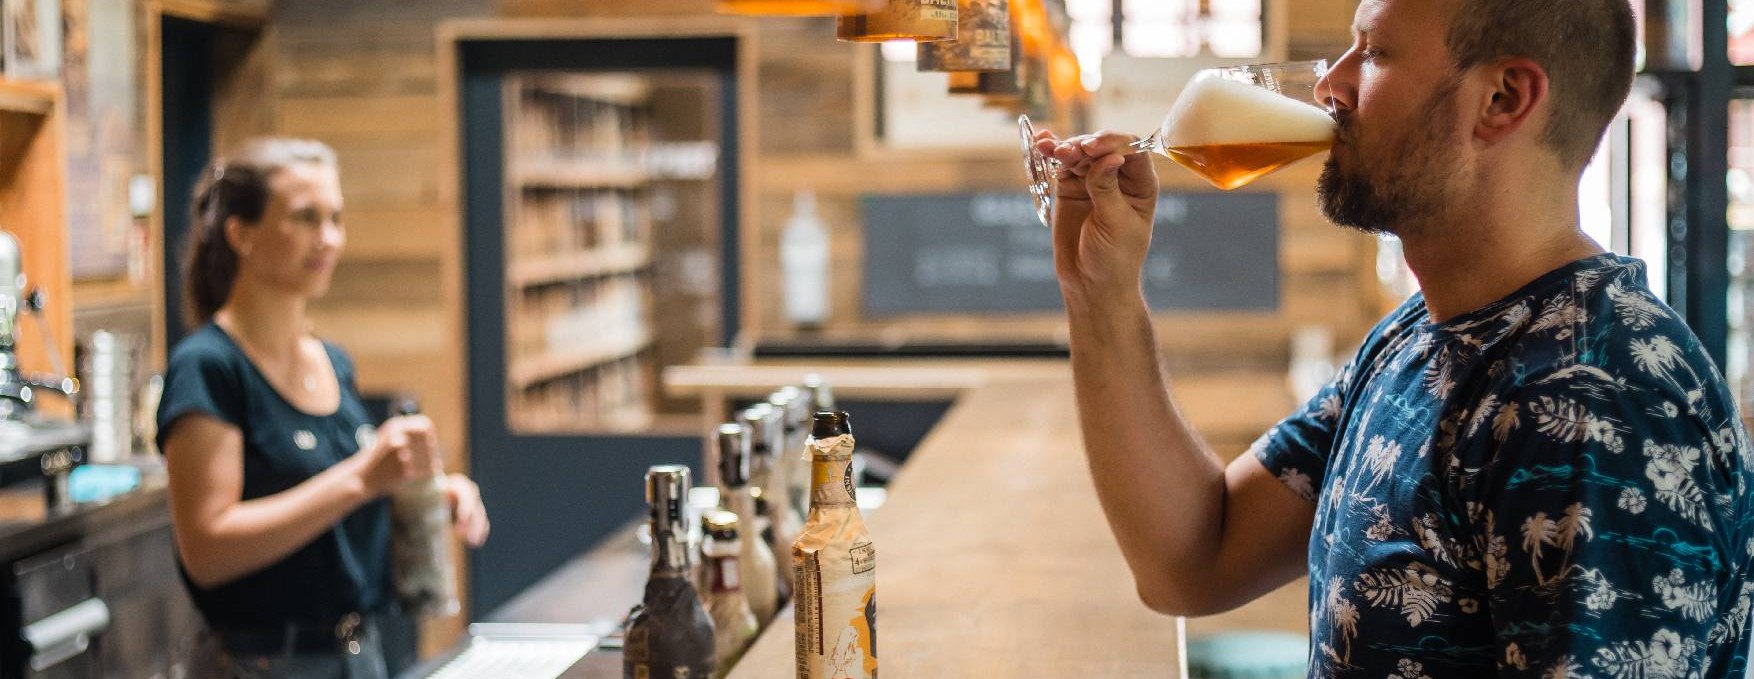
1334, 91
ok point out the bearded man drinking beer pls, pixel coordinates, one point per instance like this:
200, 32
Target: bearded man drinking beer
1531, 469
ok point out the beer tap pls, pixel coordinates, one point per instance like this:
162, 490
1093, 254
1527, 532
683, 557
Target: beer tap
18, 389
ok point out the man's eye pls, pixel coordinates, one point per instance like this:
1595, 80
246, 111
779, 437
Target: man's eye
1370, 53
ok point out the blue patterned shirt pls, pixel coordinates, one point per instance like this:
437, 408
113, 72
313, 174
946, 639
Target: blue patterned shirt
1552, 486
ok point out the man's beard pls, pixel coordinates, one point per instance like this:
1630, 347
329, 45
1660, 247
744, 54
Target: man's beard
1406, 190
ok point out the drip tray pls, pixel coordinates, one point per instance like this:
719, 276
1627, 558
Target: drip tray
519, 651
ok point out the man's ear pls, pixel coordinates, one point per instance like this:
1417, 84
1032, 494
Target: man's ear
1516, 91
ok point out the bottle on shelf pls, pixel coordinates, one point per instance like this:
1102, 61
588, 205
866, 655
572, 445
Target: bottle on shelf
420, 543
734, 624
669, 634
835, 565
759, 574
804, 259
766, 435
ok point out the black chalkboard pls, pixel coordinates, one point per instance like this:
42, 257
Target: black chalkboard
986, 253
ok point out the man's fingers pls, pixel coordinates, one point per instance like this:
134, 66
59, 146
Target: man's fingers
1103, 183
1105, 143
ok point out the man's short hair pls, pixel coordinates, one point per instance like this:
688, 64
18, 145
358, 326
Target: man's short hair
1586, 46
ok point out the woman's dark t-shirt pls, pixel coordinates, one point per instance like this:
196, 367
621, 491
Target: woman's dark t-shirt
345, 569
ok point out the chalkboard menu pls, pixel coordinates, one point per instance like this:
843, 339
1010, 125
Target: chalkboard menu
986, 253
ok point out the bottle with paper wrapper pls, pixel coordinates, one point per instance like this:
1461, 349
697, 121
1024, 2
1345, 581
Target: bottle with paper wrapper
834, 565
734, 624
420, 545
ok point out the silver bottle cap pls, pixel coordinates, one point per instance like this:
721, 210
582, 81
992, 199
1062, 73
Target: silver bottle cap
667, 487
762, 421
734, 450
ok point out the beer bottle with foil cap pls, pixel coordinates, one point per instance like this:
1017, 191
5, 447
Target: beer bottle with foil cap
734, 624
767, 439
669, 633
757, 570
835, 565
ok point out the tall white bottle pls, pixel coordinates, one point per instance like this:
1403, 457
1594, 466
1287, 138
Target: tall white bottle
804, 263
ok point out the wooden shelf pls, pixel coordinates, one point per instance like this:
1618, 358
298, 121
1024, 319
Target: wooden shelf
28, 98
608, 261
527, 372
559, 175
110, 293
621, 90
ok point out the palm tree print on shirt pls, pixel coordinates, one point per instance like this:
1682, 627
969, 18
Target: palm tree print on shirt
1554, 486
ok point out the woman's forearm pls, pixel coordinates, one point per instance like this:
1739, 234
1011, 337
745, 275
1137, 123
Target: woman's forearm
254, 534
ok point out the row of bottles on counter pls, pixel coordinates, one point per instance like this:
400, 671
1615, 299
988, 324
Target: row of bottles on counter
554, 223
613, 395
786, 486
579, 317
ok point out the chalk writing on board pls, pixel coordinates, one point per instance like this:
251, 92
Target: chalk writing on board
986, 253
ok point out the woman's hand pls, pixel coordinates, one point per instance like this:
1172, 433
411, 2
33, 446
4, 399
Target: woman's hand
1105, 201
406, 449
468, 514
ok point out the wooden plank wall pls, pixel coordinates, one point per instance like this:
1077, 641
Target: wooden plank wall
808, 140
361, 75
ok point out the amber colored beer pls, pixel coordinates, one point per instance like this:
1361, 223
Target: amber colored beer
1230, 166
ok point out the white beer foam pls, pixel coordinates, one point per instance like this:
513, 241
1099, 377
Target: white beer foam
1213, 110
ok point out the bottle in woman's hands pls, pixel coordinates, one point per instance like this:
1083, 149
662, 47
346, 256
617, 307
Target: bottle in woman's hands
420, 514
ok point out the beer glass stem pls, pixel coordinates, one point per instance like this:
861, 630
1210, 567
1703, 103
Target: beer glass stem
1150, 144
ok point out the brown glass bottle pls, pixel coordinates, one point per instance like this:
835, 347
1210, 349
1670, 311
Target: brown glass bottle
669, 633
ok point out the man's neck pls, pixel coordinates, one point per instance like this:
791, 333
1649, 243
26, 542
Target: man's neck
268, 321
1476, 260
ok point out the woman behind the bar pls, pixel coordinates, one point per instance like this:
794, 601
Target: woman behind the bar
278, 479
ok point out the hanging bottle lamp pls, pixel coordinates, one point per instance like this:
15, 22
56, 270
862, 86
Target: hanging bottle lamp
799, 7
919, 20
982, 43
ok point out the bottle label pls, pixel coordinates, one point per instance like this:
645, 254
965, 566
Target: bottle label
831, 482
938, 10
863, 557
636, 648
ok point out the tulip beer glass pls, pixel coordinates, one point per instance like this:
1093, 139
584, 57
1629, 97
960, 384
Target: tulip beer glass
1231, 126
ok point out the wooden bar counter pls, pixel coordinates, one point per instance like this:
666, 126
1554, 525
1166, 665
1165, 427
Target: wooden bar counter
993, 557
